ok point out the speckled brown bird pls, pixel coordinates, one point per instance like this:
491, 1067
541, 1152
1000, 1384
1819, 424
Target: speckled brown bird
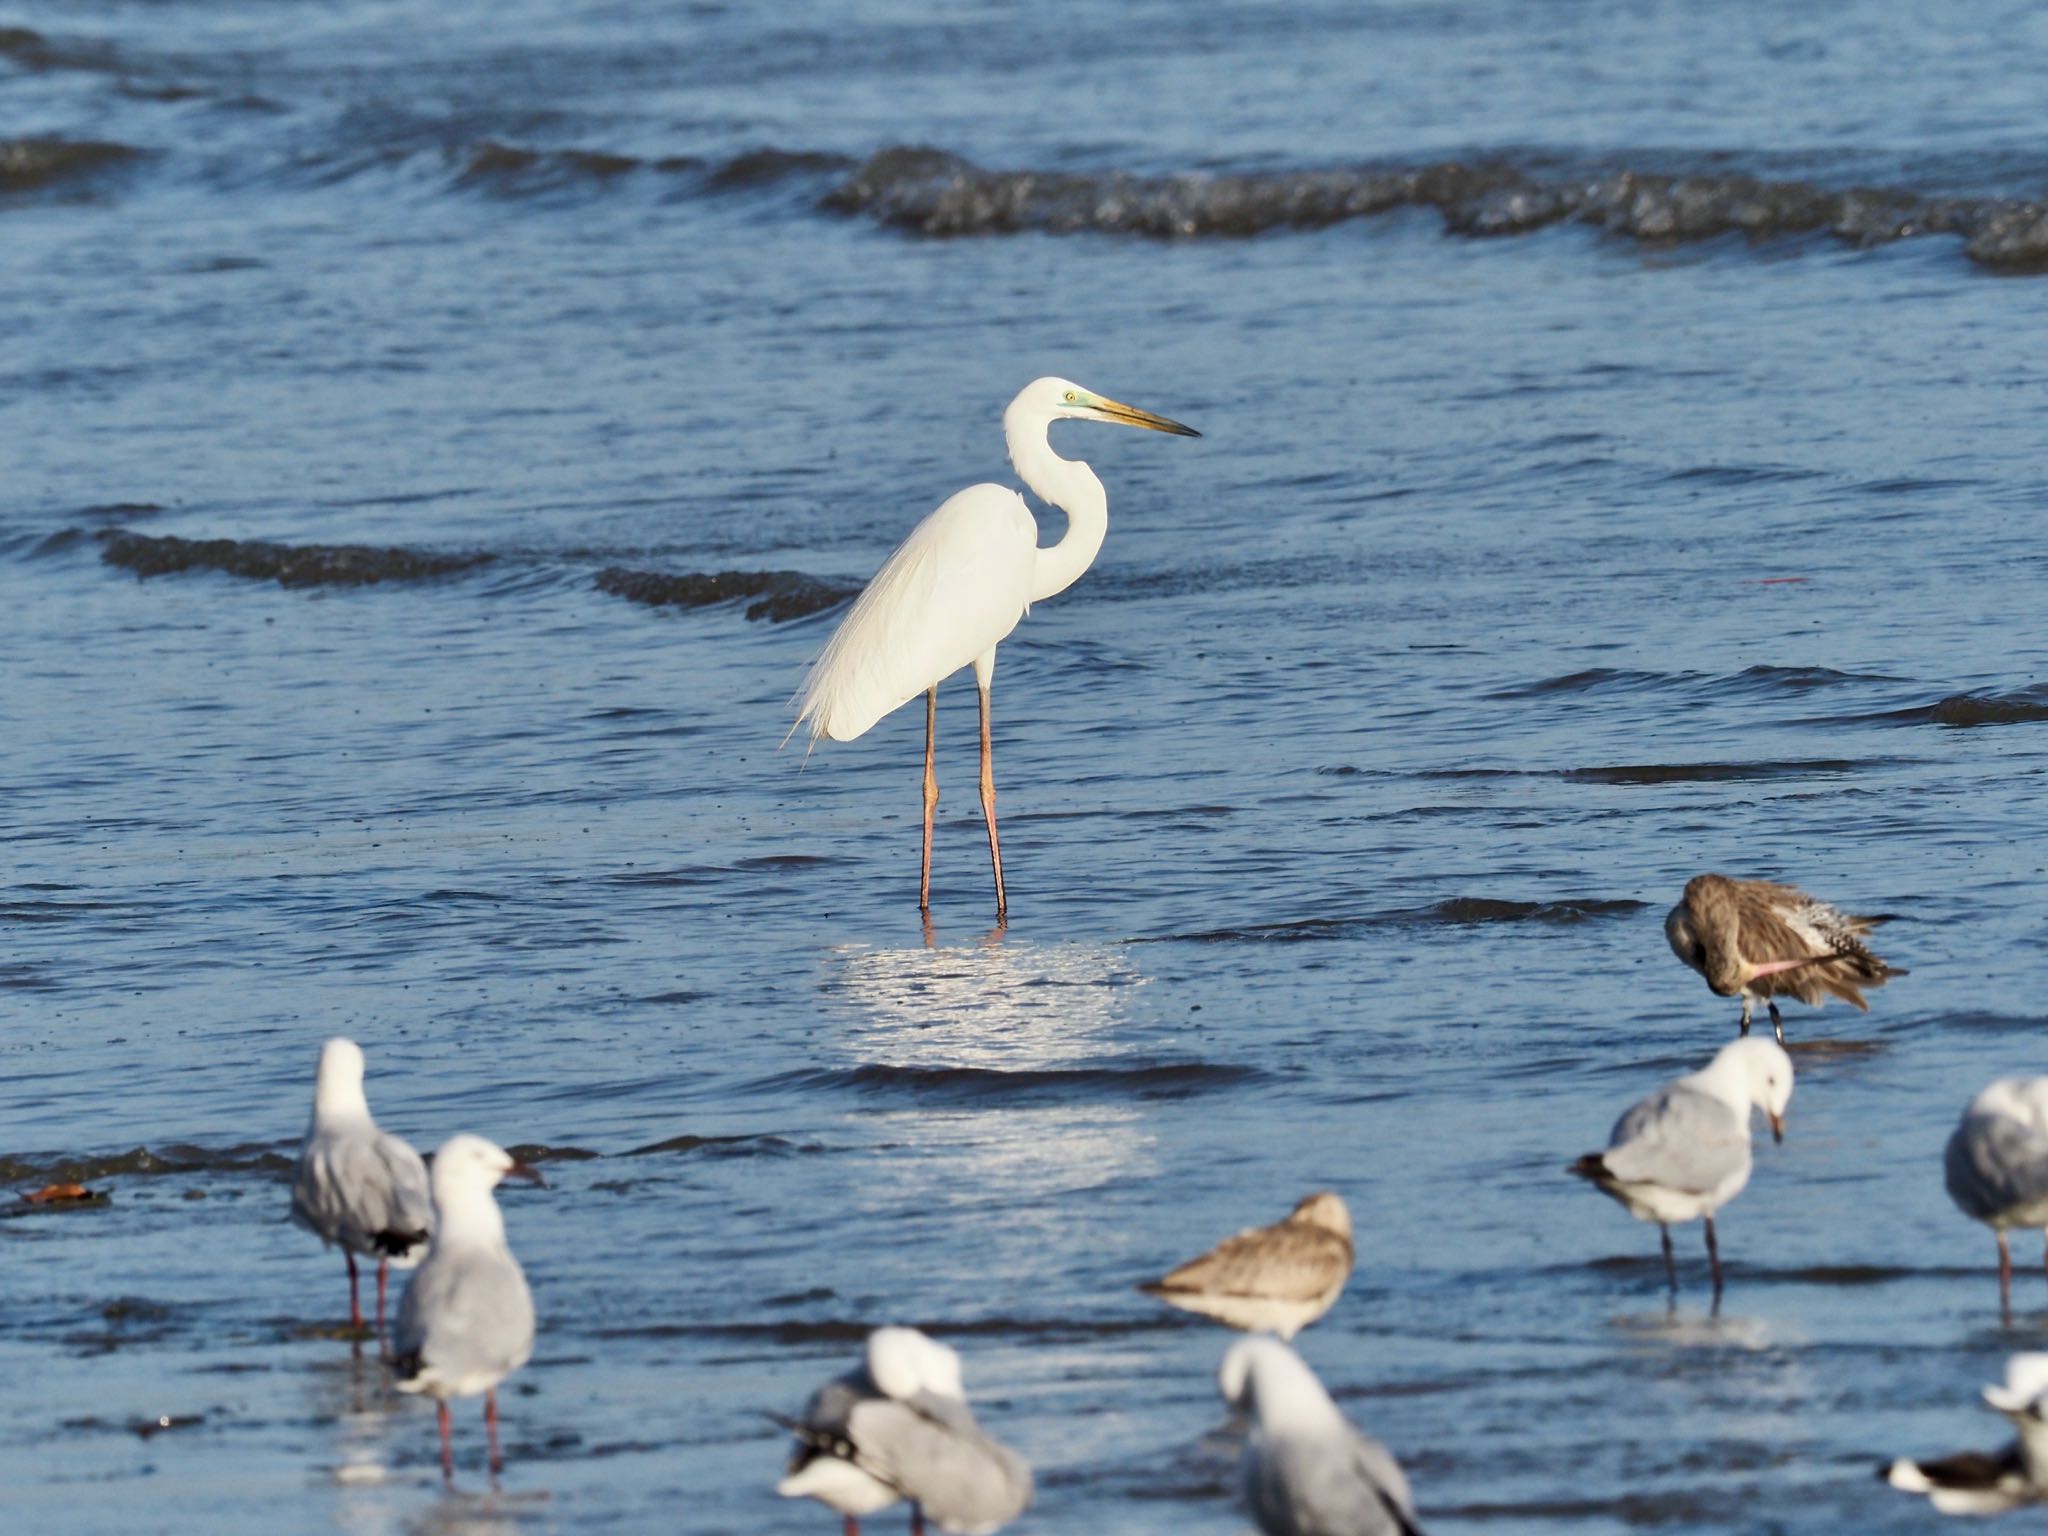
1275, 1279
1759, 941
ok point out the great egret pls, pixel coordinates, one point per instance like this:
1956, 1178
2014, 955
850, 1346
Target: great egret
957, 586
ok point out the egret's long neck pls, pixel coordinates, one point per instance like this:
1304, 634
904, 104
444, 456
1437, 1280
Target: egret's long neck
1069, 485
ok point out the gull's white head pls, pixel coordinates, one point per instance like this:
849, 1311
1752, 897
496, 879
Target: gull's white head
339, 1087
1762, 1072
903, 1362
1264, 1377
1053, 399
2026, 1382
468, 1164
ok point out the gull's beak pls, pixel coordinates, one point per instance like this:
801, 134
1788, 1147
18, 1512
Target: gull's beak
527, 1172
1131, 416
1777, 1128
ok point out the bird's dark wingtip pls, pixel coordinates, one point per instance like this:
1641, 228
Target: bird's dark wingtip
1592, 1166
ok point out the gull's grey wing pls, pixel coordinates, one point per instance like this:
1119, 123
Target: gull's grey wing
1994, 1164
464, 1314
1290, 1261
1678, 1138
366, 1192
1343, 1485
932, 1450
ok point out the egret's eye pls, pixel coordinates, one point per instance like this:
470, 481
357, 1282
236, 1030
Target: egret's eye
1072, 397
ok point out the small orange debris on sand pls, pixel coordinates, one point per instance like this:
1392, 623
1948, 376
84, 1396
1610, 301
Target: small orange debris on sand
52, 1194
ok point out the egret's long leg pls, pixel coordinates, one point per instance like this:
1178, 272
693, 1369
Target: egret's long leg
988, 807
931, 795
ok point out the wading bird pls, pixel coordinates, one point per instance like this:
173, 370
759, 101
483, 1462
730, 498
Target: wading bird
957, 586
1976, 1483
466, 1322
898, 1426
1683, 1152
1760, 941
1308, 1471
1275, 1279
356, 1185
1996, 1165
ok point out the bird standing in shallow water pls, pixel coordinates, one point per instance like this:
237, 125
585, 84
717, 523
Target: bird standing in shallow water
1759, 941
1683, 1152
1308, 1471
357, 1185
1996, 1165
466, 1322
956, 588
1275, 1279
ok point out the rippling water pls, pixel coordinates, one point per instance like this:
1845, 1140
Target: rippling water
438, 437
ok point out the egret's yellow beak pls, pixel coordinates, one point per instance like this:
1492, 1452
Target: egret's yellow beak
1131, 416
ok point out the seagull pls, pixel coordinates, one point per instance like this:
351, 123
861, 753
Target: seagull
1684, 1151
466, 1321
898, 1426
1761, 941
1275, 1279
1308, 1471
1977, 1483
356, 1185
1997, 1164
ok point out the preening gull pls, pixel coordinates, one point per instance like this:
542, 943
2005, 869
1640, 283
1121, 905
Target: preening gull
1683, 1152
356, 1185
1275, 1279
898, 1427
1308, 1471
1981, 1483
466, 1321
1997, 1164
1760, 941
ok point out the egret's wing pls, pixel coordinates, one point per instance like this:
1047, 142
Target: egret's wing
948, 594
1680, 1139
1289, 1261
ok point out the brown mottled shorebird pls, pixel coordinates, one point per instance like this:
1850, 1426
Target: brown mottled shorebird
1760, 941
1275, 1279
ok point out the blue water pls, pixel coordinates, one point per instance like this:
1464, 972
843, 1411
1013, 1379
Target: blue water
1512, 582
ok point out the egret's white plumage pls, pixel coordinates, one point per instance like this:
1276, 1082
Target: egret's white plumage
356, 1185
958, 585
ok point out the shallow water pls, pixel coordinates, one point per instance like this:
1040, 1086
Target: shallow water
1513, 582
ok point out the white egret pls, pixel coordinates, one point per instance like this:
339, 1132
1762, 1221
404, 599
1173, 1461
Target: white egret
957, 586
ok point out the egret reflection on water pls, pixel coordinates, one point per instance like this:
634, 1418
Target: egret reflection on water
956, 587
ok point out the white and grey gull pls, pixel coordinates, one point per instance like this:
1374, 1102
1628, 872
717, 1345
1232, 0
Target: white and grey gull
466, 1320
1996, 1164
1683, 1152
356, 1185
898, 1427
1308, 1471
